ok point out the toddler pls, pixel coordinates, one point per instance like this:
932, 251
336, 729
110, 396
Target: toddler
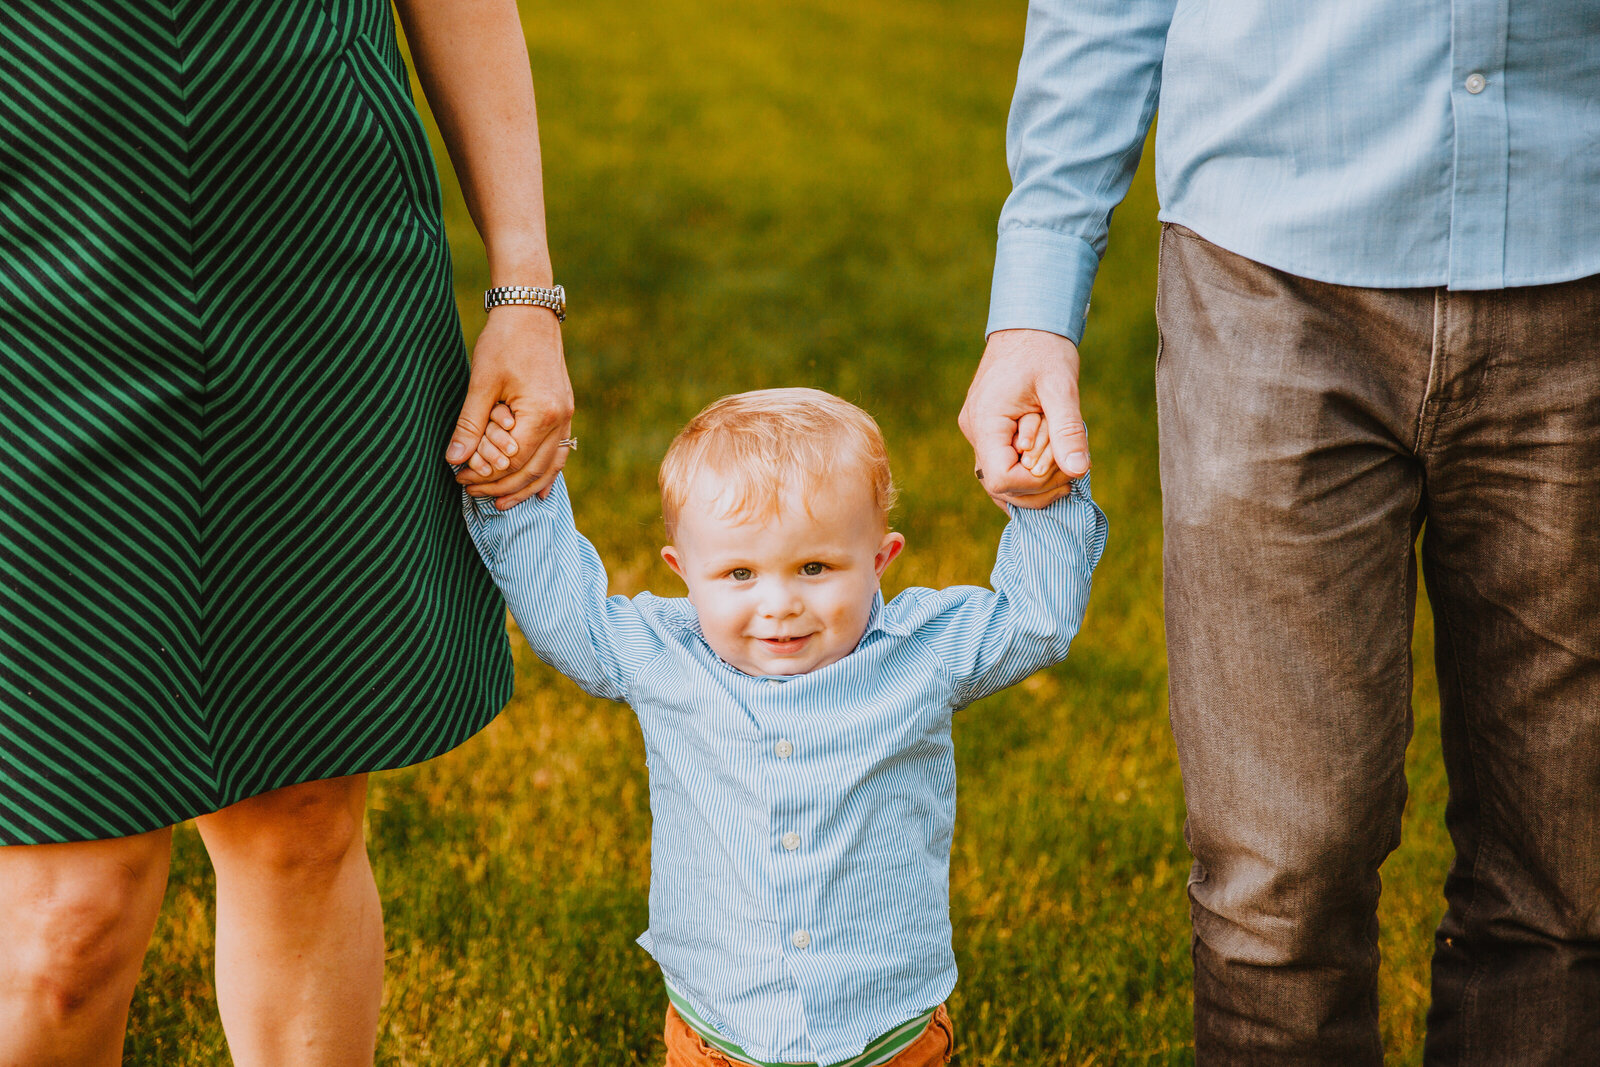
796, 726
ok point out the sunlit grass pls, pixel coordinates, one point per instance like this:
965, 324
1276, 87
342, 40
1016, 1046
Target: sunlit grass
744, 195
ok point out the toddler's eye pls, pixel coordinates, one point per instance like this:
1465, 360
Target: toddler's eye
741, 574
812, 569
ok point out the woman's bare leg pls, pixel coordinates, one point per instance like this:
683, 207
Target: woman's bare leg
76, 919
299, 926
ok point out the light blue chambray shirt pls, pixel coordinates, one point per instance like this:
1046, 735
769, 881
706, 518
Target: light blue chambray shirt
800, 852
1385, 143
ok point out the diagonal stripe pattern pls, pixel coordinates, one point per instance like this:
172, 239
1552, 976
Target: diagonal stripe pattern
231, 556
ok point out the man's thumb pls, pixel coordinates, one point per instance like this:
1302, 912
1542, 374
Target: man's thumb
1069, 438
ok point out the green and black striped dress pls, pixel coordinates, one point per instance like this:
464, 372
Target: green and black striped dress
231, 556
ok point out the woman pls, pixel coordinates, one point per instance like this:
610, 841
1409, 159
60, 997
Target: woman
235, 579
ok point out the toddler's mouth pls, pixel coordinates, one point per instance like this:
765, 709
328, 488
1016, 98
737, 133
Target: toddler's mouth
785, 644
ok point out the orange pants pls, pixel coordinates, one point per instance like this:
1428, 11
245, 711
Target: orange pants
685, 1048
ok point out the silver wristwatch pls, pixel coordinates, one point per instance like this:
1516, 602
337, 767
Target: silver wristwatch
555, 298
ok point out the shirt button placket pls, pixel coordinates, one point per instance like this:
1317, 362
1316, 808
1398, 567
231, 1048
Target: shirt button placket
783, 749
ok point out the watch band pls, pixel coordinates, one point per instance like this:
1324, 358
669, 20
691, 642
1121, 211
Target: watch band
554, 298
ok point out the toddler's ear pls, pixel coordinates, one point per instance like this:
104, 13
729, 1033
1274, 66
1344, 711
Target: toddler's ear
888, 549
670, 554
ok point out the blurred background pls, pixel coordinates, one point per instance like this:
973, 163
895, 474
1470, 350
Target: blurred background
805, 193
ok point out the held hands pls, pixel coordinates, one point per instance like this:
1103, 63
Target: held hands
1022, 418
518, 407
1032, 445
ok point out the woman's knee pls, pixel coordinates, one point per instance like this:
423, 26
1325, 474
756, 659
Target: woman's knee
309, 830
78, 918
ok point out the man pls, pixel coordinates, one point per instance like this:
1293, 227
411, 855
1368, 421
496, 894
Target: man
1378, 305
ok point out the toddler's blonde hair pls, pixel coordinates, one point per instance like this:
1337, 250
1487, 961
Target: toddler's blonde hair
757, 443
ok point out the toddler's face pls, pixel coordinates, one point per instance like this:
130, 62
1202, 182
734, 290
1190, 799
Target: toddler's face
786, 595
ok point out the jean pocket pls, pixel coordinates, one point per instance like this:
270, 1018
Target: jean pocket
1178, 229
942, 1024
1168, 230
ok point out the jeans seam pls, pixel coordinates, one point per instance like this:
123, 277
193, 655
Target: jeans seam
1469, 991
1446, 414
1441, 311
1454, 415
1160, 334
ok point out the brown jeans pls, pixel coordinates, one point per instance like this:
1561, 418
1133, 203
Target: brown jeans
1309, 432
685, 1048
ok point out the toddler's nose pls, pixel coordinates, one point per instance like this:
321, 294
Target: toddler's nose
781, 602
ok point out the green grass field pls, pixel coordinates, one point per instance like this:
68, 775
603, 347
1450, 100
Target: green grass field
747, 195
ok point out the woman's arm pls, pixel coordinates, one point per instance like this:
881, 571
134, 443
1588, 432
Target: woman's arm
473, 63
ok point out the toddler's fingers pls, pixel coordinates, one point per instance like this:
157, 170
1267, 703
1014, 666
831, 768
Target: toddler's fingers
502, 439
1039, 459
1041, 444
491, 453
1027, 432
503, 416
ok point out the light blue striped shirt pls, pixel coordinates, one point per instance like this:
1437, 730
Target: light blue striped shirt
799, 860
1386, 143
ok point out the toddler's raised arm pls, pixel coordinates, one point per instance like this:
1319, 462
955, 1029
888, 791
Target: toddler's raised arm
987, 639
555, 585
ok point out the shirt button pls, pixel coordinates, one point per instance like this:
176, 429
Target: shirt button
801, 939
783, 748
774, 681
1475, 83
791, 840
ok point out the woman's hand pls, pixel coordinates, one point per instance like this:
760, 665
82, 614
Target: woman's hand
517, 363
472, 61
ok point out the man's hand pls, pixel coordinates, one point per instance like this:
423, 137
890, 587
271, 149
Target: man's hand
1025, 372
517, 363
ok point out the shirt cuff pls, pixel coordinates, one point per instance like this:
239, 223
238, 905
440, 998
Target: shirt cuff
1078, 491
1041, 282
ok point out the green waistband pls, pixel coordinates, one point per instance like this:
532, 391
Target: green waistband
881, 1049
